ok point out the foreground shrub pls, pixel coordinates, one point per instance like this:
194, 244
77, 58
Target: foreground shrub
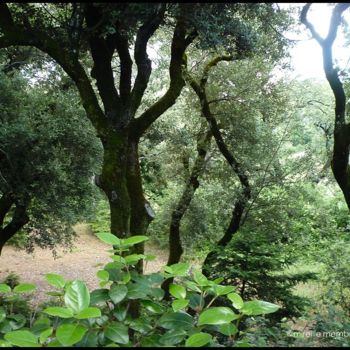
130, 310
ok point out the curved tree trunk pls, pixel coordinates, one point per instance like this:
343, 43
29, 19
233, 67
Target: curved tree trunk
245, 195
341, 148
175, 246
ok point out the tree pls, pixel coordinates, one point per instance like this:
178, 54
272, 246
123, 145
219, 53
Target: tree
46, 163
66, 31
341, 148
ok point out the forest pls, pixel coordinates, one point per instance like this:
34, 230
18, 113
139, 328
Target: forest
165, 180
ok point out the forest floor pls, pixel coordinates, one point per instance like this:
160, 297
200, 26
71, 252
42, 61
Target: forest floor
88, 256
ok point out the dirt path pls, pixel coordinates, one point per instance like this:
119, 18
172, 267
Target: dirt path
87, 257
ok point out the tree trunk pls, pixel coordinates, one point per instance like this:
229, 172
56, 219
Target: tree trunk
141, 213
175, 246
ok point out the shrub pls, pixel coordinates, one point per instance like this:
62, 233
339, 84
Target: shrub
130, 310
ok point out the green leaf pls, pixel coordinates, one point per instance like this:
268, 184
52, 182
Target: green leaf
136, 291
77, 296
177, 291
55, 280
198, 340
117, 332
179, 304
200, 278
40, 325
69, 334
118, 292
141, 325
103, 275
133, 258
216, 316
223, 290
236, 300
176, 320
22, 339
258, 307
152, 307
24, 288
45, 334
173, 337
108, 238
62, 312
228, 329
4, 288
99, 296
88, 313
17, 321
134, 240
179, 269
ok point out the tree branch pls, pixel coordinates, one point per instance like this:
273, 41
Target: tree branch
178, 47
102, 70
144, 64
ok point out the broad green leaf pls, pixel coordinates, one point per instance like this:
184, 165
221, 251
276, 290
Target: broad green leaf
89, 340
198, 340
179, 304
134, 240
177, 291
118, 292
117, 332
88, 313
22, 339
4, 288
40, 325
223, 290
108, 238
141, 325
62, 312
173, 337
112, 345
216, 316
55, 280
24, 288
180, 269
119, 259
152, 307
45, 334
77, 296
99, 296
134, 258
258, 307
227, 329
236, 300
176, 320
136, 291
192, 286
103, 275
200, 278
69, 334
16, 321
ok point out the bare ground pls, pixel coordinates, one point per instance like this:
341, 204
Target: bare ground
87, 257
